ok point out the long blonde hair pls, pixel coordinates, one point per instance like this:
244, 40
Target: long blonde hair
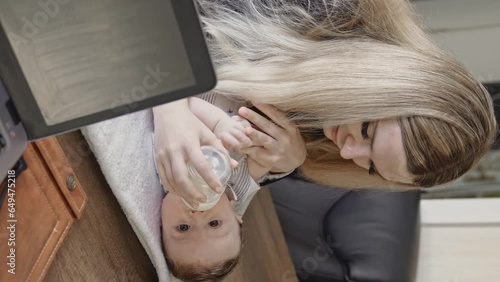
328, 63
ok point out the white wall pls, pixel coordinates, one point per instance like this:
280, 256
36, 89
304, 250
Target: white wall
460, 238
470, 29
459, 241
459, 254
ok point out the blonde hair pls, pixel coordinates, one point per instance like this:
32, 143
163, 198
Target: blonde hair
329, 63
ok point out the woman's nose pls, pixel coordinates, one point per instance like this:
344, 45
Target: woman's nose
355, 149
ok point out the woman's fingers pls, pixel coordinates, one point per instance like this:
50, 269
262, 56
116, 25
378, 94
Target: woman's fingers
177, 140
215, 142
283, 152
253, 152
169, 178
185, 187
275, 115
162, 174
164, 169
261, 122
260, 138
199, 162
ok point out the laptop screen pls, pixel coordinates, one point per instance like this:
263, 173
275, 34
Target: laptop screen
81, 58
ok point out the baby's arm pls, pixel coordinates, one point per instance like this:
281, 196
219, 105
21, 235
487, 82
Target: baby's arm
230, 130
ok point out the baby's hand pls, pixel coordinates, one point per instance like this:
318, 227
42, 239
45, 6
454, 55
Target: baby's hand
231, 131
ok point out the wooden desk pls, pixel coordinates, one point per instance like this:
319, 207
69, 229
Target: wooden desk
102, 246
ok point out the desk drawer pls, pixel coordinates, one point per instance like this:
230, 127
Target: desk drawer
42, 215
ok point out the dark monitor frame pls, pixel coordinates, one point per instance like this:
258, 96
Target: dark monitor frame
31, 116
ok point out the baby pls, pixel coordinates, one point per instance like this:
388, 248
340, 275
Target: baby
200, 246
206, 246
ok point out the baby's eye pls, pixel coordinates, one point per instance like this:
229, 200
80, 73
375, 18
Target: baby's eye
215, 223
183, 228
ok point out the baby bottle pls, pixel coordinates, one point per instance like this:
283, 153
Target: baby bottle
221, 166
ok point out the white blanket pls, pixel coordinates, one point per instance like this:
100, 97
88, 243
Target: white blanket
123, 147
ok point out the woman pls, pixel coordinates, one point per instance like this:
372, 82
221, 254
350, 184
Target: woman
375, 101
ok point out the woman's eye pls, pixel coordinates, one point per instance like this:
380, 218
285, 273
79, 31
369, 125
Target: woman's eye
364, 129
371, 170
215, 223
183, 228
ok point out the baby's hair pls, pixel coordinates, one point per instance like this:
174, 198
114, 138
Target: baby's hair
196, 273
189, 272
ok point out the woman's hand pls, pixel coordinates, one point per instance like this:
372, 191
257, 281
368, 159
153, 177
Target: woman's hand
279, 145
179, 134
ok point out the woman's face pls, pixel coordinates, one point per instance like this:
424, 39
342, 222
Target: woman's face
375, 146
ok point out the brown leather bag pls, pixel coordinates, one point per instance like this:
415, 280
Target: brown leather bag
37, 212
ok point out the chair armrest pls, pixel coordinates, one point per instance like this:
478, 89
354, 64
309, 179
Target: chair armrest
375, 235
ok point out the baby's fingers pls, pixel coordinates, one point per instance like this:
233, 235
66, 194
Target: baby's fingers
229, 141
235, 140
243, 122
260, 139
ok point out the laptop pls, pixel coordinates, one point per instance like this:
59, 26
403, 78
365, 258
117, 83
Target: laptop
65, 64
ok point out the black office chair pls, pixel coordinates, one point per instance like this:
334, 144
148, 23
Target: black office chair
340, 235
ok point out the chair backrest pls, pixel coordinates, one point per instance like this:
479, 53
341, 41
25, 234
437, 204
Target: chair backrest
340, 235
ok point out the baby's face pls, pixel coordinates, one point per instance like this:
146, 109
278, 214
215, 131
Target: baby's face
203, 238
